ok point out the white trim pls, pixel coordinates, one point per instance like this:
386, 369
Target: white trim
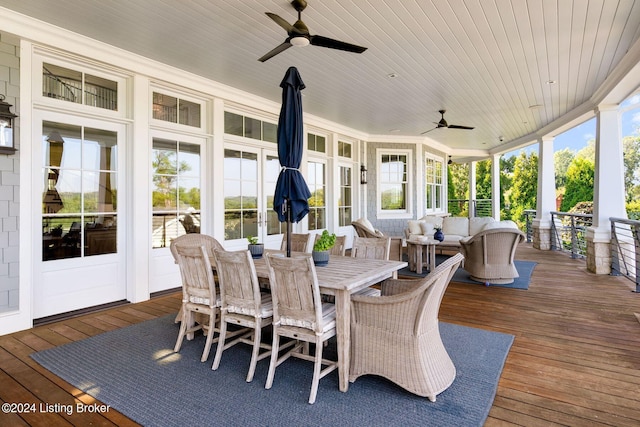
396, 214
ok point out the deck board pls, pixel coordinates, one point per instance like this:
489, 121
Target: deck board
575, 359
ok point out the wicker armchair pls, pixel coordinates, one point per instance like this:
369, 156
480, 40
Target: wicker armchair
489, 255
395, 251
397, 335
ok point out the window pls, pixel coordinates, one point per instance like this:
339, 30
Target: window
176, 190
344, 149
235, 124
175, 110
78, 87
393, 181
79, 198
240, 194
345, 200
316, 143
434, 188
317, 202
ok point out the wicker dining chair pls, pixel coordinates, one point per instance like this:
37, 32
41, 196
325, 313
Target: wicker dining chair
299, 242
242, 304
299, 314
397, 336
198, 295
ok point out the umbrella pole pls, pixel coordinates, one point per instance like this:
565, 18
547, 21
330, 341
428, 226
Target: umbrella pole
288, 204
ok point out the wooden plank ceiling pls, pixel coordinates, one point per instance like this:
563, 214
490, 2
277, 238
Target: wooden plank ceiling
509, 68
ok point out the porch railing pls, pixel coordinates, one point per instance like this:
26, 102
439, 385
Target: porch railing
625, 249
529, 216
459, 207
568, 233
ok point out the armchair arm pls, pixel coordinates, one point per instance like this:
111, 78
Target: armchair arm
399, 286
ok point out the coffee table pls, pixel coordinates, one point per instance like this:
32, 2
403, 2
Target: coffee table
418, 249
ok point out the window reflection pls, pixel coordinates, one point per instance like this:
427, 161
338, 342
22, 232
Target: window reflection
79, 193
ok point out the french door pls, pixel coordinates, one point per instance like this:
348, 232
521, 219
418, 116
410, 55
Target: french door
79, 255
250, 176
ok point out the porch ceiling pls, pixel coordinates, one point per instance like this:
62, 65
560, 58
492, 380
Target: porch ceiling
488, 63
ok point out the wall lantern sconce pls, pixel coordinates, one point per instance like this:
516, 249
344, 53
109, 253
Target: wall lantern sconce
363, 175
7, 143
450, 162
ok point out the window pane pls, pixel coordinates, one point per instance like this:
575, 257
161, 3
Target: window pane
189, 113
165, 107
269, 132
99, 191
101, 93
61, 83
233, 124
252, 128
100, 150
100, 235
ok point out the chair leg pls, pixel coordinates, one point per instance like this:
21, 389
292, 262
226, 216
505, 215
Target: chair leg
317, 367
274, 358
221, 339
182, 332
257, 336
210, 334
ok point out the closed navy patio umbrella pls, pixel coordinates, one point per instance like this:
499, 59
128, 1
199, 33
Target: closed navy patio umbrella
291, 195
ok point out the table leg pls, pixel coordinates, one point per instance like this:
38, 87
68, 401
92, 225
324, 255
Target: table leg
432, 257
343, 337
419, 250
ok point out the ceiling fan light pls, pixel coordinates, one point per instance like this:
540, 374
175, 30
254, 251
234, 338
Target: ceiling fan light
299, 41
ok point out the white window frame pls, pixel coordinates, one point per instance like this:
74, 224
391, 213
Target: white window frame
399, 213
157, 123
441, 186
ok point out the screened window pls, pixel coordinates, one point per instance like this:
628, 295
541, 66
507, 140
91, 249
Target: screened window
434, 187
79, 197
345, 201
393, 179
317, 183
175, 110
78, 87
176, 190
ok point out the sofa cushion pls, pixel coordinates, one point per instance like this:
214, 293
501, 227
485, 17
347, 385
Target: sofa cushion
432, 219
456, 225
477, 224
426, 229
415, 226
366, 224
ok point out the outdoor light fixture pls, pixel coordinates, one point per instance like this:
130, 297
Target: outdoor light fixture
363, 175
299, 41
7, 143
450, 162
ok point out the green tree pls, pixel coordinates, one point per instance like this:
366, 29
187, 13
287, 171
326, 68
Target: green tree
483, 179
631, 159
561, 160
524, 186
579, 187
458, 188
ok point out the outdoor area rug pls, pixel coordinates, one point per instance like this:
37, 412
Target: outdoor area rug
525, 269
135, 370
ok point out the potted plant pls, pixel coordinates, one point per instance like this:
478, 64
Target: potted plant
254, 247
438, 235
321, 248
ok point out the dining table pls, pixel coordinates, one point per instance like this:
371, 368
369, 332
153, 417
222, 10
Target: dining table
341, 277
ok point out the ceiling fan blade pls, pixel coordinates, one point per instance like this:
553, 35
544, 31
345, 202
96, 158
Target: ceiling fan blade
460, 127
427, 131
335, 44
284, 46
284, 24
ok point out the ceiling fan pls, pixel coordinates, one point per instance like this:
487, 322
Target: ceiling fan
443, 124
298, 35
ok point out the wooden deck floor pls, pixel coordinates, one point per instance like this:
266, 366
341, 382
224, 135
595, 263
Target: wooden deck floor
575, 360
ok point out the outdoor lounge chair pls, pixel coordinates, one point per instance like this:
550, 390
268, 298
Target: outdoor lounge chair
489, 255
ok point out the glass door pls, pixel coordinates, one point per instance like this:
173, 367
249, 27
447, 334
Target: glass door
250, 176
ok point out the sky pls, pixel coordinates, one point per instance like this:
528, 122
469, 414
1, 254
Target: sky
576, 138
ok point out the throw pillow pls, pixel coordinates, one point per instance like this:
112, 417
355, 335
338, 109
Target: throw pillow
427, 229
415, 226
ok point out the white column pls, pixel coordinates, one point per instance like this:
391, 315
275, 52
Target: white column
608, 195
495, 186
546, 197
472, 188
